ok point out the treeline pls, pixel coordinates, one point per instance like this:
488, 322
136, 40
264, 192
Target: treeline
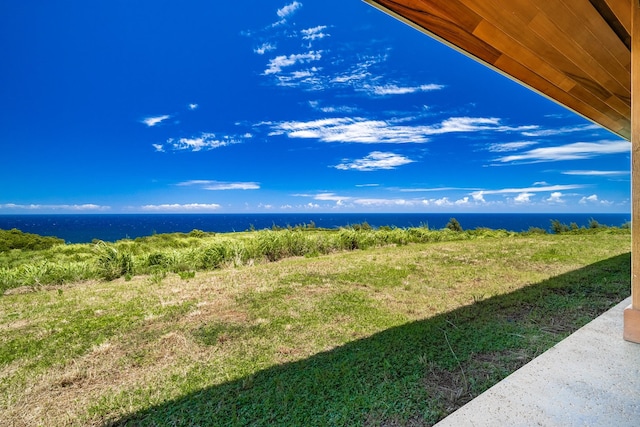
16, 239
558, 227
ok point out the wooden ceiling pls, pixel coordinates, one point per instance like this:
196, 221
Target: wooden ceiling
576, 52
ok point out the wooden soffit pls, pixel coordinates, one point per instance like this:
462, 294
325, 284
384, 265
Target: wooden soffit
576, 52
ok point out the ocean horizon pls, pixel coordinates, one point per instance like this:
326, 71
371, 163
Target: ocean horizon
84, 228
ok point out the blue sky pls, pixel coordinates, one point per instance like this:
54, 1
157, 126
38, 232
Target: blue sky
276, 106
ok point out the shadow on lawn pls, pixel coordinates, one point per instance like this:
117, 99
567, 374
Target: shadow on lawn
414, 374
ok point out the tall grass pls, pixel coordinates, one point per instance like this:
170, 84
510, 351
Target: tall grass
190, 252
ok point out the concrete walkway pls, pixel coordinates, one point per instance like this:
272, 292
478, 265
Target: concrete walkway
592, 378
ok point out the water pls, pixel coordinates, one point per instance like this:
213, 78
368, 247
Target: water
85, 228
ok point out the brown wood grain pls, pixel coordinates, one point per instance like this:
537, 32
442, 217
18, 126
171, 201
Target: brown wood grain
565, 49
621, 9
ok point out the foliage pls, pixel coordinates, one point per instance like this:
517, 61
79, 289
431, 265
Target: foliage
454, 225
558, 227
196, 251
113, 263
536, 230
16, 239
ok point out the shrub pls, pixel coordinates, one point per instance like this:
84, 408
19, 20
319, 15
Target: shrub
159, 259
557, 227
113, 263
363, 226
186, 275
536, 230
197, 233
352, 239
594, 224
213, 256
454, 225
271, 244
16, 239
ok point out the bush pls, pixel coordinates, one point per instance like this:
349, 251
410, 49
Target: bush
214, 256
16, 239
159, 259
558, 228
594, 224
536, 230
113, 263
454, 225
197, 233
364, 226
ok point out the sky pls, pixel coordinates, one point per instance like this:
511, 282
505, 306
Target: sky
263, 106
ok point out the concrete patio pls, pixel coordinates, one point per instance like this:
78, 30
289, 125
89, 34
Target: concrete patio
592, 378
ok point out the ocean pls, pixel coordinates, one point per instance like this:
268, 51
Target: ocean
84, 228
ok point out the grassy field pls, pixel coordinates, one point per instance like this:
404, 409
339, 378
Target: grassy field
399, 333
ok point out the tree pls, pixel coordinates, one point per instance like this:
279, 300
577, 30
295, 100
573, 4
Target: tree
454, 225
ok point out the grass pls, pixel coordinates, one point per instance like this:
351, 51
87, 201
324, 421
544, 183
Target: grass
399, 334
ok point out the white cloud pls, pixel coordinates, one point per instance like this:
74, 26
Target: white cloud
288, 10
219, 186
315, 33
65, 207
526, 190
426, 190
523, 197
206, 141
510, 146
344, 109
556, 197
361, 130
590, 199
479, 197
376, 160
351, 130
182, 207
593, 199
382, 202
401, 90
562, 130
331, 197
475, 124
595, 173
264, 48
152, 121
276, 64
358, 71
574, 151
192, 106
442, 202
308, 78
158, 147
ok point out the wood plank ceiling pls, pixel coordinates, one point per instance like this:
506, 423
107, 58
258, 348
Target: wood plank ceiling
576, 52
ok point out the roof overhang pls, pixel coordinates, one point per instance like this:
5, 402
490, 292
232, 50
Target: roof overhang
575, 52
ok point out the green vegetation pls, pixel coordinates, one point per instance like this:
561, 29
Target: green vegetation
454, 225
36, 261
357, 326
16, 239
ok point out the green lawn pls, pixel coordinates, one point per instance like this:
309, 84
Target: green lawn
393, 335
